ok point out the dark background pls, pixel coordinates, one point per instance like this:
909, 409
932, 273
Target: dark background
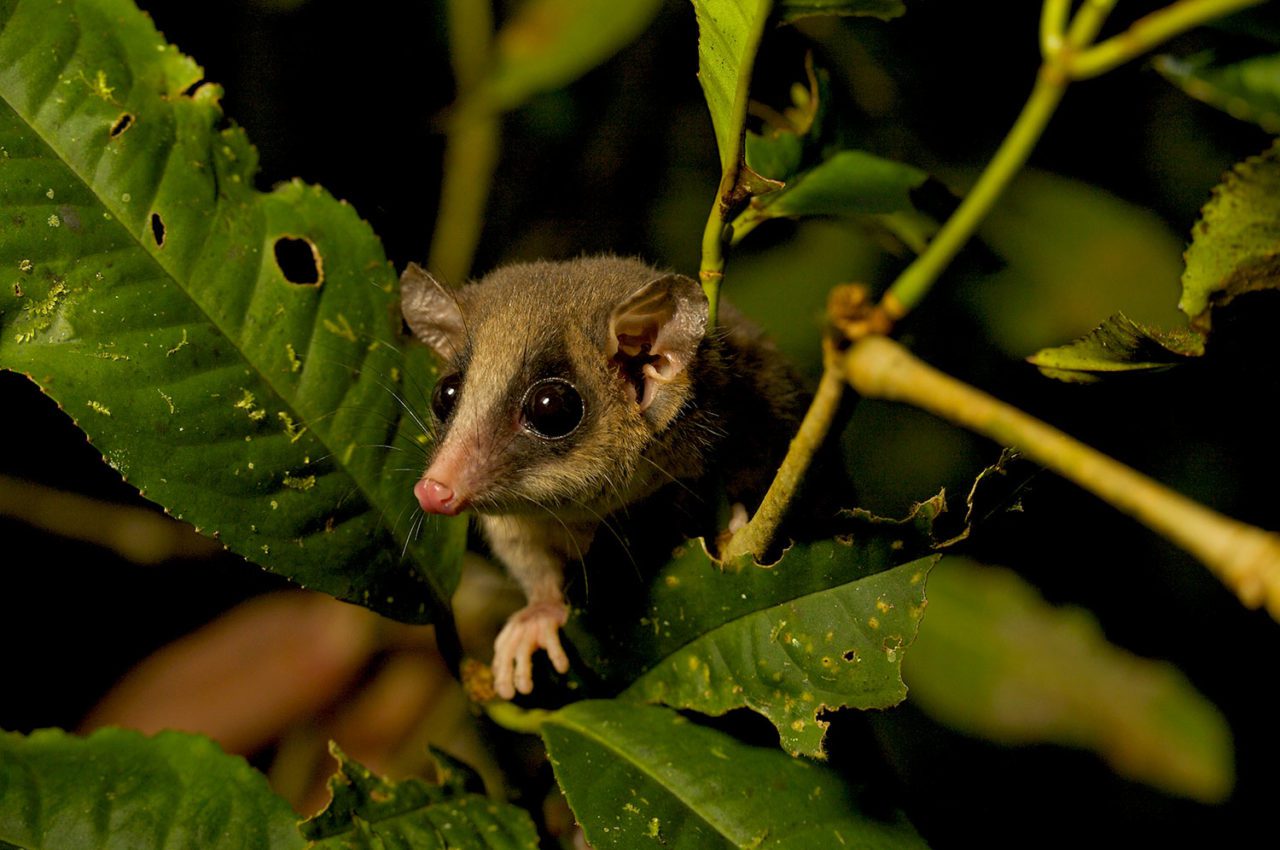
348, 95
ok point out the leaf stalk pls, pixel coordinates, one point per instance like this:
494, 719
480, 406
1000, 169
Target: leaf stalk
757, 537
1245, 558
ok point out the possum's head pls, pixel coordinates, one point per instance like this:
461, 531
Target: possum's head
557, 377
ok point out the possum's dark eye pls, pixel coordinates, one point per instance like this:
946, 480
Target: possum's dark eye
552, 408
446, 395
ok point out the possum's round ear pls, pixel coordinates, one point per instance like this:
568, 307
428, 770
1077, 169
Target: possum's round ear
659, 327
431, 309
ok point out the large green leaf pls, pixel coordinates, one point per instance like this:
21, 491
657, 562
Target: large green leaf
118, 790
729, 33
549, 43
1248, 90
1118, 345
994, 659
640, 776
234, 354
837, 648
824, 627
368, 812
1235, 246
790, 10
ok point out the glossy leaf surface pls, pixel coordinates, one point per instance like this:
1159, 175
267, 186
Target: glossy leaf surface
118, 790
234, 354
640, 776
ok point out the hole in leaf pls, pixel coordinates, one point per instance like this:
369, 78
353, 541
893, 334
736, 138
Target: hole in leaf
299, 261
124, 122
851, 655
157, 229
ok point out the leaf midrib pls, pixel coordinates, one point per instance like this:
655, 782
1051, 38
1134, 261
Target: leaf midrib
233, 341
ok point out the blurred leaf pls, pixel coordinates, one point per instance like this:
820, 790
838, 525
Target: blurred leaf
640, 776
729, 33
236, 355
837, 648
790, 10
1118, 345
119, 790
883, 9
1106, 256
548, 44
994, 659
1248, 90
849, 183
371, 812
1235, 246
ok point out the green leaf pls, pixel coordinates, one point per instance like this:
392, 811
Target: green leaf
368, 812
994, 659
548, 44
639, 776
824, 627
1118, 345
1248, 90
790, 10
729, 33
234, 354
837, 648
119, 790
1235, 246
850, 182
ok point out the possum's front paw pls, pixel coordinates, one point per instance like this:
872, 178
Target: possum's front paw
533, 627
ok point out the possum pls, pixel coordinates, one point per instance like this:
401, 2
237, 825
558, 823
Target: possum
573, 390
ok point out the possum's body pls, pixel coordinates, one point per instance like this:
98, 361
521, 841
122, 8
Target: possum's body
574, 390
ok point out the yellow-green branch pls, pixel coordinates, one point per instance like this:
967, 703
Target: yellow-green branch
1245, 558
760, 533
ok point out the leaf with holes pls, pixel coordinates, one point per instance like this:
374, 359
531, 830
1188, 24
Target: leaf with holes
119, 790
790, 10
368, 811
234, 354
1248, 90
1235, 246
640, 776
824, 627
1118, 345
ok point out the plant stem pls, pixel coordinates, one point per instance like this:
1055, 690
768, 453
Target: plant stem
758, 535
1053, 25
918, 277
508, 715
1088, 19
1245, 558
712, 270
471, 146
1150, 31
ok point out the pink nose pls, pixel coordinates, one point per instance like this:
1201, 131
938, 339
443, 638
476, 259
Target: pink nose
437, 498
